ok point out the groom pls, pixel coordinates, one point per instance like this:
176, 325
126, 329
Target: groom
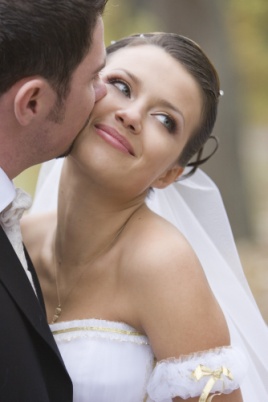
50, 54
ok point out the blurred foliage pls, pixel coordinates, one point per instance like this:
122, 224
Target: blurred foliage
121, 19
247, 23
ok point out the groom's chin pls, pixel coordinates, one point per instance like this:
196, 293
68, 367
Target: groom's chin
65, 153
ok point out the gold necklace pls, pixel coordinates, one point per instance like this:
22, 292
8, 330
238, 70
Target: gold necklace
58, 309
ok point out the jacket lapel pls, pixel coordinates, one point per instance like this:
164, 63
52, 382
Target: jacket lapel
14, 279
35, 280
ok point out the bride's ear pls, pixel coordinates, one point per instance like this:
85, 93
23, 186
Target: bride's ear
168, 177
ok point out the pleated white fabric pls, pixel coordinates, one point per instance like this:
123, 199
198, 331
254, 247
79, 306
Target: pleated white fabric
107, 361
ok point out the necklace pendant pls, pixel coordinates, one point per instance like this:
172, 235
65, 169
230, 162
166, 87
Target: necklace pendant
56, 314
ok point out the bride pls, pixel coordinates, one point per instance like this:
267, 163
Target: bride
145, 308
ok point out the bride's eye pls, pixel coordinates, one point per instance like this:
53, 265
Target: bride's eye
167, 122
121, 85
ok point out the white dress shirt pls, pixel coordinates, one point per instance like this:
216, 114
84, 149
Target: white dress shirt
7, 190
7, 196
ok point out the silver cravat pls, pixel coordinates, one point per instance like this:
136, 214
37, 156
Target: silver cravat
10, 222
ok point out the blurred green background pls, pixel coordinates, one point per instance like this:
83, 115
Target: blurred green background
234, 34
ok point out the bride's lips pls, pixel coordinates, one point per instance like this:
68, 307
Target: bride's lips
112, 136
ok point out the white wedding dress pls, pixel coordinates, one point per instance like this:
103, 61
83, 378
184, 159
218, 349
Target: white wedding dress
110, 362
107, 361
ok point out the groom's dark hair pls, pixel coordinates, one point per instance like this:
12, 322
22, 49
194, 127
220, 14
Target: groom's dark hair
48, 38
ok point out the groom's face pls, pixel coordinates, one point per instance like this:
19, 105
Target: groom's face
64, 124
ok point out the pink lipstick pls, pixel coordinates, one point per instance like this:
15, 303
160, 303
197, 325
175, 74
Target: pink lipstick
115, 139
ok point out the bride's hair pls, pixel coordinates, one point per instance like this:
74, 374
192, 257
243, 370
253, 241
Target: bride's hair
191, 56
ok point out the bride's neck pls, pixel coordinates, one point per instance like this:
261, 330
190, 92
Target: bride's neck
88, 221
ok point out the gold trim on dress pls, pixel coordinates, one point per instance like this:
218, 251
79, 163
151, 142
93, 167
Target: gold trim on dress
99, 329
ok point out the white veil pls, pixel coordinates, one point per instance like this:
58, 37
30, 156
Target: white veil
195, 206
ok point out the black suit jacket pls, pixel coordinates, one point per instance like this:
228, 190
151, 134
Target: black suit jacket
31, 368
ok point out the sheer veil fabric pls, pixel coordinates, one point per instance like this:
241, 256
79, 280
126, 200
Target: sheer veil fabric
195, 207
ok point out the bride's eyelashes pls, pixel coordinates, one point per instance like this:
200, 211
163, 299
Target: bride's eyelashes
167, 121
121, 85
125, 88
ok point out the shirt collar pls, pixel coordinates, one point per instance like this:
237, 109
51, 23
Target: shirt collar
7, 190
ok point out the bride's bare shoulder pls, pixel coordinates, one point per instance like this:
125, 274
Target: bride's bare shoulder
157, 244
168, 290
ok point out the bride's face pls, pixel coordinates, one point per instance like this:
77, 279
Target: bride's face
137, 132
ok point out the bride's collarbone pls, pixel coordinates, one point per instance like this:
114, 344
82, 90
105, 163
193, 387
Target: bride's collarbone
101, 304
99, 293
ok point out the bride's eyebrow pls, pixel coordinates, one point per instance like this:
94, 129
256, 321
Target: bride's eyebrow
166, 104
133, 77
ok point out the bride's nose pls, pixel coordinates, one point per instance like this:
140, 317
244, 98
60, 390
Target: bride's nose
131, 118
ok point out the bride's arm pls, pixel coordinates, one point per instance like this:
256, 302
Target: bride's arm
199, 377
176, 307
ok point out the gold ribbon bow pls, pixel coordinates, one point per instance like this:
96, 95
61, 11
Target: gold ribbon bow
216, 375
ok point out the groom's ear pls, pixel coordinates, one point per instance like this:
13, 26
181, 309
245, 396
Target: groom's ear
168, 177
34, 98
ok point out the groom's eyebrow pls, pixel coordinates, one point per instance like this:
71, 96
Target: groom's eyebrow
99, 68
